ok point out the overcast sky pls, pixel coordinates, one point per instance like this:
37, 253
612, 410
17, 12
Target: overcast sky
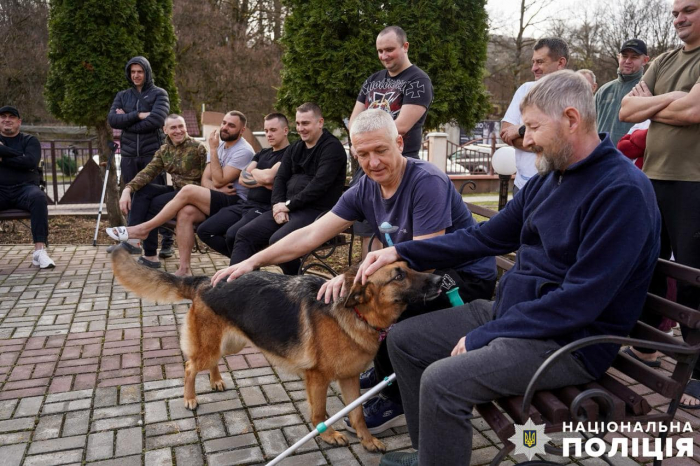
507, 12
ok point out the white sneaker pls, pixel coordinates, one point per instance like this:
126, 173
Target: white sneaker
41, 259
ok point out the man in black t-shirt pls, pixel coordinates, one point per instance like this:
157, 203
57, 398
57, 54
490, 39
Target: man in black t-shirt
219, 230
401, 88
20, 155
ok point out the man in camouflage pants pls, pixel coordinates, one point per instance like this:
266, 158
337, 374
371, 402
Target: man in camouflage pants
184, 159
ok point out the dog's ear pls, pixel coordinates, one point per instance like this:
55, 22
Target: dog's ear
359, 294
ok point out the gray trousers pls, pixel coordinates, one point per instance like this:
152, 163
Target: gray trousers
438, 391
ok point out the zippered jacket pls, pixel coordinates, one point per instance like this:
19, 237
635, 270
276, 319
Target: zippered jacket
140, 137
587, 240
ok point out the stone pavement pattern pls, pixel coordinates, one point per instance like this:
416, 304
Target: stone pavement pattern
91, 374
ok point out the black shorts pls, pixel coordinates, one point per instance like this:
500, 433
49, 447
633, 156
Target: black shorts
220, 201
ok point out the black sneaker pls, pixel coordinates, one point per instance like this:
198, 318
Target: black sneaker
368, 379
166, 252
399, 458
380, 414
131, 248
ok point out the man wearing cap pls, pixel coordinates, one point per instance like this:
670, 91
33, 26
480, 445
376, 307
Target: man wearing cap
669, 96
631, 59
20, 155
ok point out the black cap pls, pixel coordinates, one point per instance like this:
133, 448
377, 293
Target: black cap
11, 110
636, 45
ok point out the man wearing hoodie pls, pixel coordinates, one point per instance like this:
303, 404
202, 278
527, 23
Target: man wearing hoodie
632, 58
309, 181
139, 112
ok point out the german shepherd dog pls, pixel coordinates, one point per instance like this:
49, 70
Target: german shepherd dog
281, 316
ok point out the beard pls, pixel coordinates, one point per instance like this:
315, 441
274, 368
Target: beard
555, 157
228, 137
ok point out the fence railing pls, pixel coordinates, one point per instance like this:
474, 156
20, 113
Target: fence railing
470, 158
62, 161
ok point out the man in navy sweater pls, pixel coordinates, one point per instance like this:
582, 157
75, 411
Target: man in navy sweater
578, 273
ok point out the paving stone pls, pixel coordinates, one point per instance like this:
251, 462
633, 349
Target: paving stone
115, 423
229, 443
100, 446
126, 461
247, 455
220, 406
76, 423
56, 458
178, 410
12, 455
64, 443
163, 394
129, 394
15, 437
272, 442
277, 421
29, 406
237, 422
155, 412
307, 459
275, 393
17, 424
160, 384
190, 455
116, 411
341, 457
162, 457
296, 433
272, 410
129, 441
170, 427
211, 426
105, 397
48, 427
253, 396
171, 440
7, 408
66, 406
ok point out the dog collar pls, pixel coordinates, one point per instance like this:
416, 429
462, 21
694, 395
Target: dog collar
382, 331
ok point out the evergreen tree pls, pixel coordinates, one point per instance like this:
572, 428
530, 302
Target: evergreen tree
158, 39
90, 41
330, 51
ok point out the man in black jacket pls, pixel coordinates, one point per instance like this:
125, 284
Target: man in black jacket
309, 181
140, 112
20, 155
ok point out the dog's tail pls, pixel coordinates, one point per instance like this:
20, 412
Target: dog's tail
155, 285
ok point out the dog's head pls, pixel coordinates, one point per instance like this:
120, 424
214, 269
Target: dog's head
387, 292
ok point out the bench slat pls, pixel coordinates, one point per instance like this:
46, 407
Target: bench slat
567, 396
642, 373
618, 403
513, 406
551, 407
500, 424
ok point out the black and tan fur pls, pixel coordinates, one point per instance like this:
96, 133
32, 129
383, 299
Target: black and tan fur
281, 316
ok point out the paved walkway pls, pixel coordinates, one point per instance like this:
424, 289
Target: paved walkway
90, 374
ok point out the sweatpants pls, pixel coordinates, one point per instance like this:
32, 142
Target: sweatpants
264, 231
439, 391
30, 197
219, 231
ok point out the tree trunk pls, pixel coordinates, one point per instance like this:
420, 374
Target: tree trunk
104, 136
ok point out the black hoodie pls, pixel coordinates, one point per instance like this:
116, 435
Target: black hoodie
140, 137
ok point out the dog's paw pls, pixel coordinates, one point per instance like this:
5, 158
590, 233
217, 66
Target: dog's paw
373, 444
191, 404
218, 385
334, 438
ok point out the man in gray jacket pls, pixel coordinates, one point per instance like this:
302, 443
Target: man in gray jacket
632, 58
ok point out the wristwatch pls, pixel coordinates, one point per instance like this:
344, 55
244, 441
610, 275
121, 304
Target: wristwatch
521, 131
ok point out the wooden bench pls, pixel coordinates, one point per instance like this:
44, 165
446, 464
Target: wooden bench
19, 214
609, 398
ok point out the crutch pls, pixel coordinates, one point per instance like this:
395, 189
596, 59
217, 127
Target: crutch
323, 426
112, 150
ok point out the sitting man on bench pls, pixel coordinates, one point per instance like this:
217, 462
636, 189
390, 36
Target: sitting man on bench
181, 157
229, 154
578, 273
20, 155
419, 201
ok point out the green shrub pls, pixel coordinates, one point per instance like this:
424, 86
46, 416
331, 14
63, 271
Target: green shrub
67, 165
